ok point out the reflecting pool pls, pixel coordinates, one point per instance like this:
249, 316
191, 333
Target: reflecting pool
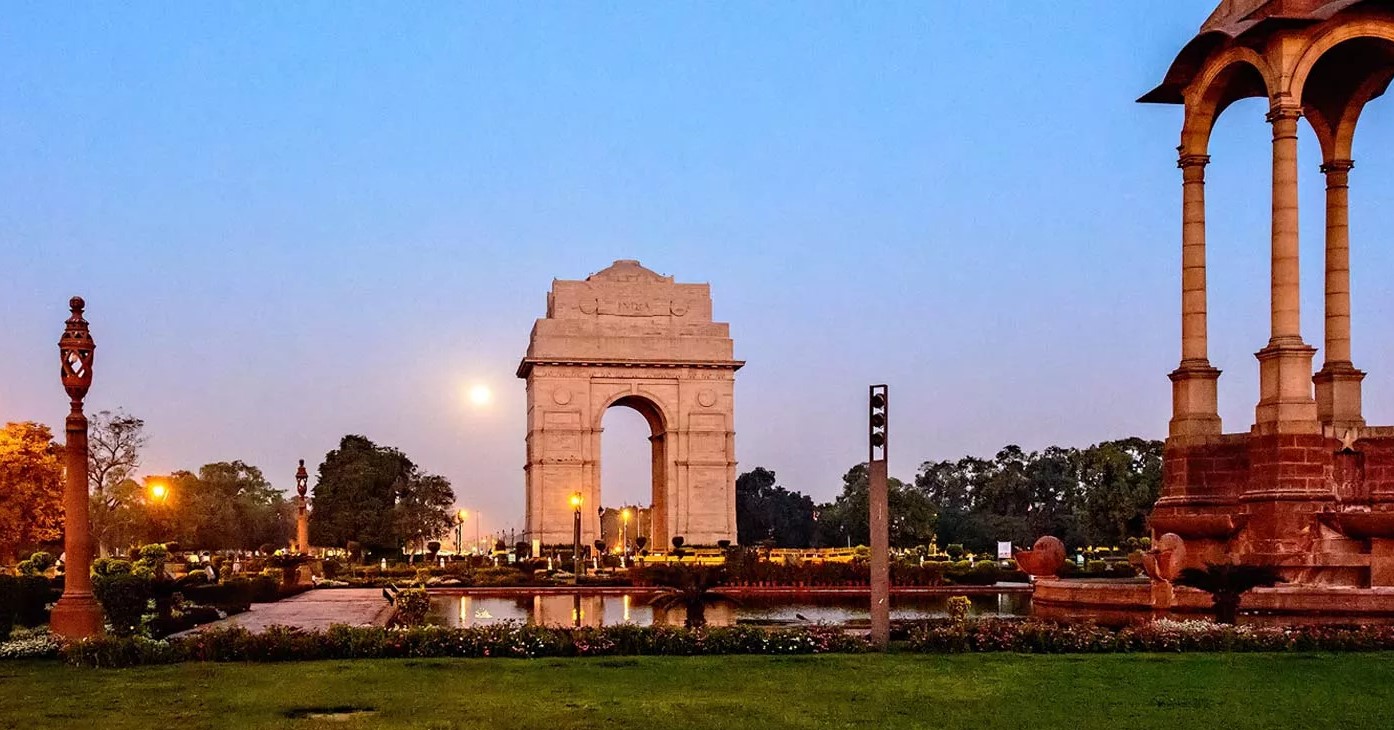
585, 609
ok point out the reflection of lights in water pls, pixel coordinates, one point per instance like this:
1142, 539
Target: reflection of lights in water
483, 613
626, 608
465, 611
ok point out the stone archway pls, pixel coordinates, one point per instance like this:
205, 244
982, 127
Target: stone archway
629, 337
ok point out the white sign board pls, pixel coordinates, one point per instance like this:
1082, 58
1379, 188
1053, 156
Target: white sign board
1004, 551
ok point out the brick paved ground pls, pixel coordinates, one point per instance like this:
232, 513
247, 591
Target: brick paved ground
315, 609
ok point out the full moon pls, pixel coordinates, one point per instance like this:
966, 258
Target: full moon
480, 395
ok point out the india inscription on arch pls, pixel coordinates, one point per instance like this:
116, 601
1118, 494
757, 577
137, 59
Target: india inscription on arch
626, 336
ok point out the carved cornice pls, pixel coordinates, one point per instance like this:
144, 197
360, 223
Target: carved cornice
1284, 111
525, 367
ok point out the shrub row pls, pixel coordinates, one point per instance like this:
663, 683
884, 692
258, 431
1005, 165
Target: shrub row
24, 601
1040, 637
747, 569
279, 643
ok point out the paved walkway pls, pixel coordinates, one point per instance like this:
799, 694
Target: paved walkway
314, 609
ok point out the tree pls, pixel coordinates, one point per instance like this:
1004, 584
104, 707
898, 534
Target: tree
423, 508
114, 441
1121, 481
227, 504
120, 517
1099, 495
376, 496
767, 511
692, 587
31, 488
912, 515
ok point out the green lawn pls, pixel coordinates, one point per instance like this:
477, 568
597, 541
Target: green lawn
766, 693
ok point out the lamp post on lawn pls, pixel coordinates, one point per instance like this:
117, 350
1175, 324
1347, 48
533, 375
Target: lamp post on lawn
624, 533
76, 615
459, 530
576, 539
302, 510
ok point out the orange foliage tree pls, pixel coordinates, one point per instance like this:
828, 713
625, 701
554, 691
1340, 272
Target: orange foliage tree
31, 488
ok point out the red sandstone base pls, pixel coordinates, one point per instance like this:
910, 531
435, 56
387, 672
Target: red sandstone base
76, 617
1130, 601
1318, 509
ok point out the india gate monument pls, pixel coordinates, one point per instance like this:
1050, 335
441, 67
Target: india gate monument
626, 336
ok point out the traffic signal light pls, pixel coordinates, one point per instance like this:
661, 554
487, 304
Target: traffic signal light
878, 411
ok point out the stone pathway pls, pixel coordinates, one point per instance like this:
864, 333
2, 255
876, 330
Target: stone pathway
314, 609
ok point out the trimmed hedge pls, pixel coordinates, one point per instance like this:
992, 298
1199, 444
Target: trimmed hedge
279, 643
124, 598
1041, 637
24, 601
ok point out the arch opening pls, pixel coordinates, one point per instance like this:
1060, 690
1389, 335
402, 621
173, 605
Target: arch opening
1341, 82
1238, 221
1237, 80
633, 480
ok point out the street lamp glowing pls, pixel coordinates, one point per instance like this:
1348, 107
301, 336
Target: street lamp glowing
576, 564
625, 514
461, 516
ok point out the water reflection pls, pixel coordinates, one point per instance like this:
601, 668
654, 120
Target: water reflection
579, 609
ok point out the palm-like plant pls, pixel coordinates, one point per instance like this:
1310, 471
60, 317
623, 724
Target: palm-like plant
692, 587
1227, 584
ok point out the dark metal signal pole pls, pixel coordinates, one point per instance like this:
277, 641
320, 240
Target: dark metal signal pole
877, 415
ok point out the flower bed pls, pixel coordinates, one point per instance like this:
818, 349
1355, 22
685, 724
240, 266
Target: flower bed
515, 640
1040, 637
29, 644
499, 640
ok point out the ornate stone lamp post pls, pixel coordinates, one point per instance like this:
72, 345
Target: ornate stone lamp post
77, 614
302, 512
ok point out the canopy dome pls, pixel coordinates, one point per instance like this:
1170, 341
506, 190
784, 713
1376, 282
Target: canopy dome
1232, 19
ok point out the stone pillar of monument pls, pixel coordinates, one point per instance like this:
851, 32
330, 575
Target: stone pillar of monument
1195, 407
1338, 382
1285, 402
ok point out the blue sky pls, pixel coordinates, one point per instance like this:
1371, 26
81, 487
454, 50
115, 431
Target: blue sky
295, 222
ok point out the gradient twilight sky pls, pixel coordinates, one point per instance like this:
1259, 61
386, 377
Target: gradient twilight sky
296, 221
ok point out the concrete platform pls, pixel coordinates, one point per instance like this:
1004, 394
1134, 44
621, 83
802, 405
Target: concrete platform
313, 610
